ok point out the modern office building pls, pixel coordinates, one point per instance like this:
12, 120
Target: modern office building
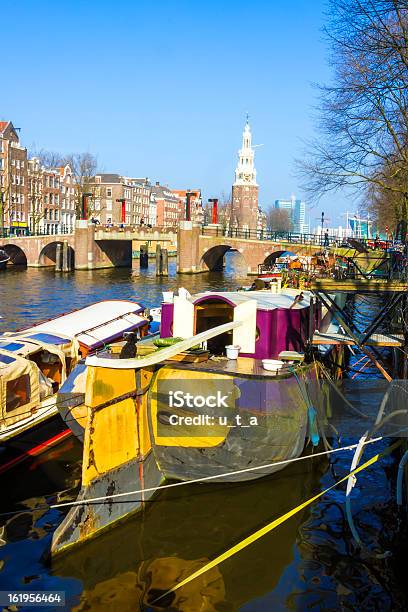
297, 211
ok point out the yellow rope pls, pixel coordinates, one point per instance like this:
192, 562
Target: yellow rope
270, 526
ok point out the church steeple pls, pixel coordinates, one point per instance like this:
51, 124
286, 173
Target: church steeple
244, 210
245, 173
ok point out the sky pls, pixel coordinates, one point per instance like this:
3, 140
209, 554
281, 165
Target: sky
161, 88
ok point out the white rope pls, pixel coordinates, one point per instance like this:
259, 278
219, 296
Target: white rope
207, 478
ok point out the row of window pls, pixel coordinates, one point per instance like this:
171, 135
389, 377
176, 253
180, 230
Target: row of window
18, 163
17, 215
48, 214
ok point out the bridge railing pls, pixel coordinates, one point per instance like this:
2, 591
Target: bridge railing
298, 238
146, 229
276, 236
66, 229
24, 232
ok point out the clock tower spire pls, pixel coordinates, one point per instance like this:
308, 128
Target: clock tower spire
245, 188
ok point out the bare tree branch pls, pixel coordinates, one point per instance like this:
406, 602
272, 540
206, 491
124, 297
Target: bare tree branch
363, 113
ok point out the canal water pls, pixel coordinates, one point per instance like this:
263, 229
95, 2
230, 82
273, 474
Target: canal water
309, 562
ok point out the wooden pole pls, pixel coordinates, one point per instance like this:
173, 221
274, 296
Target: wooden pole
144, 256
159, 262
65, 257
165, 262
58, 258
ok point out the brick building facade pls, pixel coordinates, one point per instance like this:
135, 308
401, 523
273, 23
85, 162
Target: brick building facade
51, 198
123, 200
196, 204
167, 205
13, 180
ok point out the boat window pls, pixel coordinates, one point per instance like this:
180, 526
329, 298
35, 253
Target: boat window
49, 338
11, 346
50, 365
18, 392
6, 359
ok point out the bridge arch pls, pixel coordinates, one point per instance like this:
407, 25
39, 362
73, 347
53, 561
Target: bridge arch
16, 254
48, 254
213, 258
272, 257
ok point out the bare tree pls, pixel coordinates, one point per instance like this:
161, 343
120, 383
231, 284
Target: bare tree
4, 202
36, 209
84, 166
48, 159
225, 210
364, 114
279, 220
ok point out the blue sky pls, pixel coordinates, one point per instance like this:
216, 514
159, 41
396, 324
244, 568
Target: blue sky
161, 88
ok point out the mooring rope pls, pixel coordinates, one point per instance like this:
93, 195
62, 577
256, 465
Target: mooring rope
209, 478
111, 498
272, 525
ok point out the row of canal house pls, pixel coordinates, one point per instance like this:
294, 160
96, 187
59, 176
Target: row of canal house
34, 198
118, 200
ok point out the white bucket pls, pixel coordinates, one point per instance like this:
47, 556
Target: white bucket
168, 297
273, 365
232, 351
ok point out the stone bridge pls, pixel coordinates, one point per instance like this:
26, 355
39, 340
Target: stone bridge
35, 251
198, 249
90, 247
202, 250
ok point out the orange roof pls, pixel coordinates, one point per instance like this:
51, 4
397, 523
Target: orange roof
3, 125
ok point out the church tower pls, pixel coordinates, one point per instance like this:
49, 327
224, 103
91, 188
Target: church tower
244, 213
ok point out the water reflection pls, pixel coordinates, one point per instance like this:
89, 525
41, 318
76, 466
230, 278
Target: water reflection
309, 562
32, 294
182, 529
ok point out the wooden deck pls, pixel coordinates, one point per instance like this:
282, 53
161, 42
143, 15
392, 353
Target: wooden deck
320, 338
243, 366
359, 285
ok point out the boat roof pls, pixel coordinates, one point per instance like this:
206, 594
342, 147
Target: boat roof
22, 346
13, 364
266, 300
92, 325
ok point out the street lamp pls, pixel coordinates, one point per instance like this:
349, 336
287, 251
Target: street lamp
84, 207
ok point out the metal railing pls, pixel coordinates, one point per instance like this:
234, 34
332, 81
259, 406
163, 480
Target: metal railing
24, 232
275, 236
393, 266
146, 229
322, 240
69, 230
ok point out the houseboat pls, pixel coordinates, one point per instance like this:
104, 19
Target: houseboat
35, 363
183, 409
